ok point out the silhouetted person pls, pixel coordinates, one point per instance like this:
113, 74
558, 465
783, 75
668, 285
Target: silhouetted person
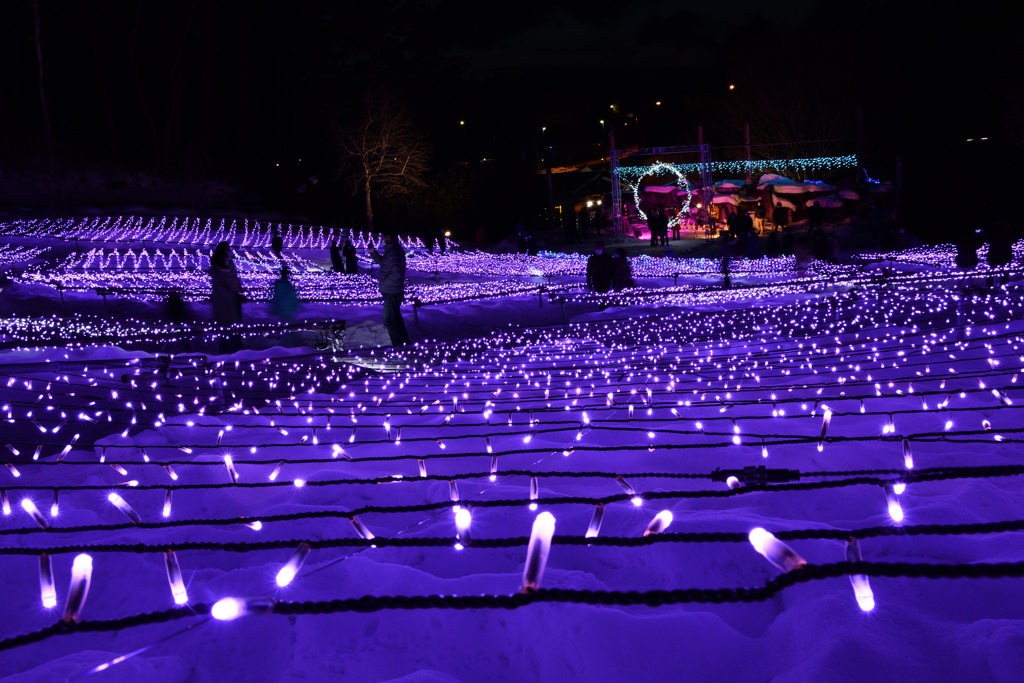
760, 213
286, 299
225, 294
351, 263
747, 224
337, 264
599, 270
1000, 246
622, 273
773, 248
815, 215
967, 251
779, 217
392, 287
177, 312
277, 243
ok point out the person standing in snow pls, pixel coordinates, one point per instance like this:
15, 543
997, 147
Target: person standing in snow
286, 299
759, 215
599, 270
351, 264
815, 215
337, 265
622, 274
779, 216
392, 287
226, 294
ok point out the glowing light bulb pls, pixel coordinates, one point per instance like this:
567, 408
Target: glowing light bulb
167, 503
826, 420
227, 609
289, 570
230, 465
276, 471
361, 529
595, 522
494, 468
774, 550
537, 551
423, 466
659, 523
630, 491
733, 483
893, 504
4, 502
178, 591
78, 591
47, 591
463, 520
55, 504
28, 506
861, 585
453, 491
124, 507
908, 457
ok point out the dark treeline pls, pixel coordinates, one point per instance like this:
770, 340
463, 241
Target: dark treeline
250, 92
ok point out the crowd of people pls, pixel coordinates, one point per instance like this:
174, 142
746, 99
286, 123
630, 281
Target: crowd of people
227, 294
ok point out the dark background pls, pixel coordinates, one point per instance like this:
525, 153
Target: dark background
247, 92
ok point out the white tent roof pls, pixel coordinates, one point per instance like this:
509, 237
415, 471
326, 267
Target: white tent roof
829, 201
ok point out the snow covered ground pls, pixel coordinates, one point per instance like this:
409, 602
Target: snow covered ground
629, 410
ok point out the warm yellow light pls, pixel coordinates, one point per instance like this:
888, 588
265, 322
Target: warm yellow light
462, 123
602, 122
732, 87
658, 103
447, 233
543, 128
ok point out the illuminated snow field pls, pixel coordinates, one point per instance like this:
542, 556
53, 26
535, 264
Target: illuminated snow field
816, 475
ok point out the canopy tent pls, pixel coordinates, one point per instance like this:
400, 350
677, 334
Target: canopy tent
734, 199
829, 201
783, 185
786, 203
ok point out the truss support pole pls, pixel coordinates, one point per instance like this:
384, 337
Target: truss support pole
616, 196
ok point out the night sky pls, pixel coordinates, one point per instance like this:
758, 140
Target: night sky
242, 91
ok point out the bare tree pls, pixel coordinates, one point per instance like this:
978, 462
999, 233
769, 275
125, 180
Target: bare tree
383, 154
47, 129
